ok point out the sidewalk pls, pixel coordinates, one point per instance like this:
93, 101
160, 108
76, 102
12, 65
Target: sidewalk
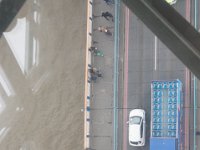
102, 90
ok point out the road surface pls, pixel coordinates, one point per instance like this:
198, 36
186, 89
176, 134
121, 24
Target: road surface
147, 59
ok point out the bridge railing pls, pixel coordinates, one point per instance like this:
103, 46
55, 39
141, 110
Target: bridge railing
87, 95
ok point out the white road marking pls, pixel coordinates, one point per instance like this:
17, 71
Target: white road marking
155, 60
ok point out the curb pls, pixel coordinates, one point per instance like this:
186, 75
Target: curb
87, 94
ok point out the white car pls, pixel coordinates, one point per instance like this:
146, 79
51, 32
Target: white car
171, 2
137, 127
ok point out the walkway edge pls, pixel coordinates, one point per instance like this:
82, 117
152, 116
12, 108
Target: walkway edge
87, 94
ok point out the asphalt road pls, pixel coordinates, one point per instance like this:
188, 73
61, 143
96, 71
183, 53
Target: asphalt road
148, 59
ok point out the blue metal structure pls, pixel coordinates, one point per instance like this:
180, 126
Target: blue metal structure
166, 114
163, 144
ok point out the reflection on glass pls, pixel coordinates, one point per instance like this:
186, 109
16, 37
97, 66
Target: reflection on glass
35, 52
23, 46
40, 82
16, 39
5, 83
36, 17
3, 132
19, 109
2, 104
29, 145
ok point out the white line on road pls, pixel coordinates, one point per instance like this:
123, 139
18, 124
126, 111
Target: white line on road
155, 62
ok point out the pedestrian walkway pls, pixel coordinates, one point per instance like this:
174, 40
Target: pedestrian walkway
101, 127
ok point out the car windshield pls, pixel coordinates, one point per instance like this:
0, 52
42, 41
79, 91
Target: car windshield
135, 120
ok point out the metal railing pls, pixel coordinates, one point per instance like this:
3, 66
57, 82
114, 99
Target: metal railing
87, 95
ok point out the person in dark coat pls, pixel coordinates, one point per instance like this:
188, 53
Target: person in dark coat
93, 49
95, 72
107, 15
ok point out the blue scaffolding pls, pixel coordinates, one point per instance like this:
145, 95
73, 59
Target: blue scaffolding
166, 107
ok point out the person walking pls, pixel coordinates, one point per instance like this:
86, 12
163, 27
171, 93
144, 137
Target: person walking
93, 49
105, 30
95, 72
93, 78
107, 15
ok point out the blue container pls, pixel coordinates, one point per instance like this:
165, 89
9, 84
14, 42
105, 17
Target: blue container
166, 107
